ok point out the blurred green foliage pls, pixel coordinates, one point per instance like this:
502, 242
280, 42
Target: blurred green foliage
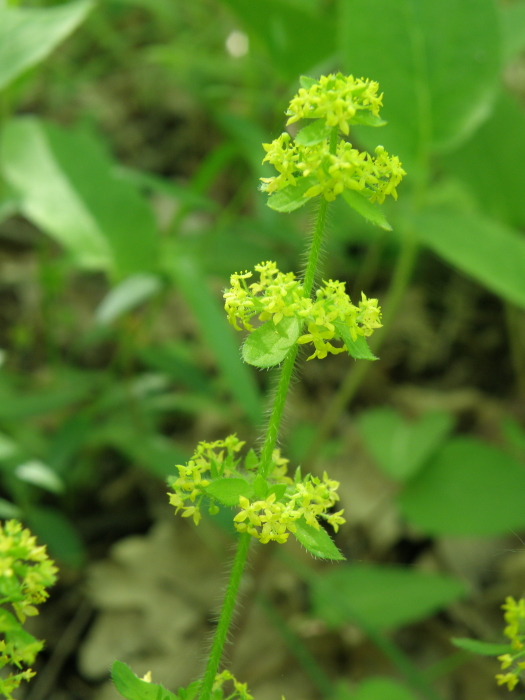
134, 146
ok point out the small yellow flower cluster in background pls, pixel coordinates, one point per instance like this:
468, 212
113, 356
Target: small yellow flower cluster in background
278, 295
347, 169
339, 101
515, 631
210, 460
25, 573
336, 99
241, 689
268, 519
271, 520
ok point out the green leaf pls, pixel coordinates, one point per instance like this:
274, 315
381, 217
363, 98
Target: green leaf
306, 82
292, 197
132, 687
295, 38
488, 251
437, 63
251, 461
358, 349
266, 347
364, 207
279, 490
491, 162
317, 542
28, 35
367, 118
59, 533
227, 491
467, 488
184, 269
260, 486
67, 187
401, 447
512, 29
484, 648
383, 597
382, 689
127, 295
39, 474
313, 133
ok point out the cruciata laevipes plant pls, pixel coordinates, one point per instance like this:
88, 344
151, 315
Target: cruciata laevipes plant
281, 312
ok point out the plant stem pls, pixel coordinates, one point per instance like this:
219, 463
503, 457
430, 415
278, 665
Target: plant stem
225, 618
354, 377
274, 423
272, 432
265, 460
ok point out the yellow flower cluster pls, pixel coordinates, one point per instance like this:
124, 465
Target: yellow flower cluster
336, 99
515, 631
210, 460
347, 169
270, 519
277, 295
25, 572
240, 692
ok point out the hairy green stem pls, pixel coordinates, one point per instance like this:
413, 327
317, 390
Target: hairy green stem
265, 460
225, 618
354, 377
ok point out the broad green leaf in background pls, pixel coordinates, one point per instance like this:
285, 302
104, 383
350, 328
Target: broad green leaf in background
382, 689
215, 329
358, 348
401, 447
126, 296
491, 162
39, 474
57, 531
28, 35
437, 63
317, 542
268, 345
295, 38
383, 597
484, 648
467, 488
512, 29
227, 491
489, 251
132, 687
364, 207
67, 187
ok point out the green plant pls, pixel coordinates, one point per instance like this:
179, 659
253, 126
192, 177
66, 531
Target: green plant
25, 573
318, 161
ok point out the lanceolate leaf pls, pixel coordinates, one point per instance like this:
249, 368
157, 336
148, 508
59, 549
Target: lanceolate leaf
317, 542
356, 348
491, 252
227, 491
132, 687
370, 212
67, 187
484, 648
28, 35
268, 345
